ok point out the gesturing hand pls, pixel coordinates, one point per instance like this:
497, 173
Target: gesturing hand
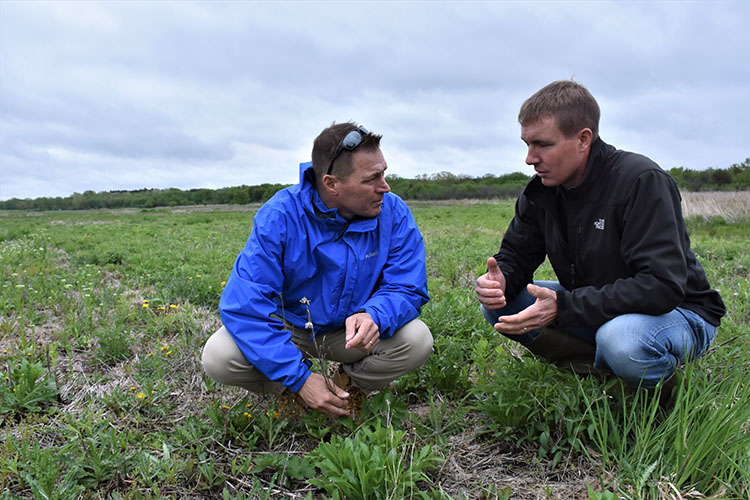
490, 287
541, 313
361, 332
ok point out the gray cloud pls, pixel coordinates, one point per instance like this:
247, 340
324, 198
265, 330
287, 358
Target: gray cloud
124, 95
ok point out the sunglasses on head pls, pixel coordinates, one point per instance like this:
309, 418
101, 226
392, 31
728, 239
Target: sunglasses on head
350, 143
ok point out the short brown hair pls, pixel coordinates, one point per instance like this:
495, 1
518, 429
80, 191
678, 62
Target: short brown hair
325, 146
569, 102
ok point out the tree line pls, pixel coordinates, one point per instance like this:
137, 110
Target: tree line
440, 186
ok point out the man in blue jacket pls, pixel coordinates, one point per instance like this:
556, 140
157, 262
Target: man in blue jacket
630, 295
334, 269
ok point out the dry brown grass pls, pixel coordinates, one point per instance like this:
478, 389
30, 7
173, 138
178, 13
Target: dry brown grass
732, 206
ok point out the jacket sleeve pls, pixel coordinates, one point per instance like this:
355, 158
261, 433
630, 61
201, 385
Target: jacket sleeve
402, 288
522, 249
248, 301
653, 246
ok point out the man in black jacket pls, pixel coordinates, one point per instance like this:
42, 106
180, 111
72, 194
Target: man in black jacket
631, 296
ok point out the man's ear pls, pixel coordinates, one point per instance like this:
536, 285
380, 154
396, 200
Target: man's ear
585, 137
330, 184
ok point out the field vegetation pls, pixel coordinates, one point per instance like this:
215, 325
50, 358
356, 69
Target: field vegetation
438, 186
102, 319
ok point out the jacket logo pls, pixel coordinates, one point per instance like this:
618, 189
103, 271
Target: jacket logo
599, 224
372, 254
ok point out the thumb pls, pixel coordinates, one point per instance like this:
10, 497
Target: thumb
539, 292
493, 268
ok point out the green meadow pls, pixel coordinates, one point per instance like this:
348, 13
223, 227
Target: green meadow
103, 315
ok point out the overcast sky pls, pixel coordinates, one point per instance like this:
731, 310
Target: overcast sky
125, 95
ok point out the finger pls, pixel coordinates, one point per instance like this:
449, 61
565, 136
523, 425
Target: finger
488, 286
351, 328
366, 332
514, 324
492, 267
334, 411
368, 345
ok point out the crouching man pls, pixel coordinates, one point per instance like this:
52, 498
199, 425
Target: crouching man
334, 268
631, 297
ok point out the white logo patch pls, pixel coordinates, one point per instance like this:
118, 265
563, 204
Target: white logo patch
599, 224
372, 254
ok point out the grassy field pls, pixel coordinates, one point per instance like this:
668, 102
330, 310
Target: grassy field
102, 319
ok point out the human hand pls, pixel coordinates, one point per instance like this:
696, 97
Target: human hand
361, 332
541, 313
324, 396
490, 287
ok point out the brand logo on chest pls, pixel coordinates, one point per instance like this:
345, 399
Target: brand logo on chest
599, 224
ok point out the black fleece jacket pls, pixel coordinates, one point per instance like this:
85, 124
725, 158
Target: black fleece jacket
617, 243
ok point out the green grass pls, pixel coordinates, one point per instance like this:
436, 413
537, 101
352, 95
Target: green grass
102, 319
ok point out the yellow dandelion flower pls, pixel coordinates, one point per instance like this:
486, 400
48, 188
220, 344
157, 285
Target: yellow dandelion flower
149, 354
249, 405
225, 407
223, 283
162, 308
145, 305
190, 278
140, 395
168, 353
164, 348
132, 387
248, 415
153, 392
146, 300
198, 276
5, 351
172, 306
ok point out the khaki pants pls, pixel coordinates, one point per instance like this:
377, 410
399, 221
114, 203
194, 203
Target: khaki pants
407, 350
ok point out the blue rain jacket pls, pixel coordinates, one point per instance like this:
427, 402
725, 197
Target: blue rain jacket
300, 248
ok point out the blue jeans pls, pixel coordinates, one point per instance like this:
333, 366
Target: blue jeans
639, 348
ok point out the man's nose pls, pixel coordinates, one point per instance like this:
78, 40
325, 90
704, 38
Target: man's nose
531, 157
